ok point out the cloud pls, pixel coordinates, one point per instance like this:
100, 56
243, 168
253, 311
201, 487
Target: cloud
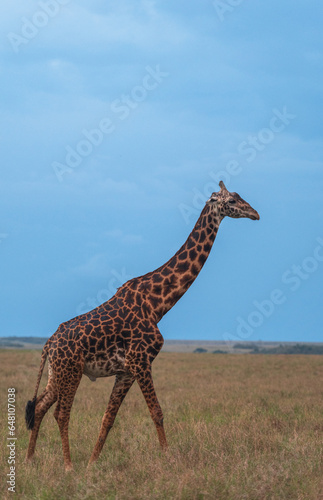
99, 27
123, 237
94, 267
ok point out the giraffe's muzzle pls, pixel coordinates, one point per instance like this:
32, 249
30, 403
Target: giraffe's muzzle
255, 216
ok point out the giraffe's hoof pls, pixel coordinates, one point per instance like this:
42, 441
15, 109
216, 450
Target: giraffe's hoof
69, 468
91, 463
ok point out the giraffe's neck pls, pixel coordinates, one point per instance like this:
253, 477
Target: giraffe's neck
169, 282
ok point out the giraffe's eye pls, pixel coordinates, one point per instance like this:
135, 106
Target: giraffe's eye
232, 202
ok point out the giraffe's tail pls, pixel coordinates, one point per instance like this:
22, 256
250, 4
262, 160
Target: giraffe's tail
31, 405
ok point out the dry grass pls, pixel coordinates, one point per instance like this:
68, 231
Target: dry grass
239, 427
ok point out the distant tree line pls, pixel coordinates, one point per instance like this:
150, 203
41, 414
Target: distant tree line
201, 350
254, 348
16, 342
282, 349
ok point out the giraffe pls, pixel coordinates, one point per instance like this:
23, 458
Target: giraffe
120, 337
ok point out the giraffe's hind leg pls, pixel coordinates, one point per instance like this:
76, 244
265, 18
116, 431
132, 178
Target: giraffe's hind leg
43, 403
119, 392
67, 379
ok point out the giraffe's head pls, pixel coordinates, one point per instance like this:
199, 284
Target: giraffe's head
231, 204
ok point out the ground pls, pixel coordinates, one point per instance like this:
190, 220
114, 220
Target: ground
238, 426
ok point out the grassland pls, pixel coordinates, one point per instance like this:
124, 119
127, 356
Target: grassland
239, 427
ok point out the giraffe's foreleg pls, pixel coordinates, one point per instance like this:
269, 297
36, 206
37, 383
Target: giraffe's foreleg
43, 403
138, 361
119, 392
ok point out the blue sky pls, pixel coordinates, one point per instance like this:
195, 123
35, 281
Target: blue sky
120, 118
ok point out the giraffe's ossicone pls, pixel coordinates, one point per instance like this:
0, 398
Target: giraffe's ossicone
121, 337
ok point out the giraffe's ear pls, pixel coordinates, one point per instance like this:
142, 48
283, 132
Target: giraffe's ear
213, 197
222, 186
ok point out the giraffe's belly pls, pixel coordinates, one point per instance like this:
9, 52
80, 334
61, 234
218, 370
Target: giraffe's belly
104, 366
